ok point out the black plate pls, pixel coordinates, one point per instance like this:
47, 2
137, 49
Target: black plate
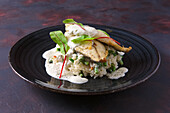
26, 60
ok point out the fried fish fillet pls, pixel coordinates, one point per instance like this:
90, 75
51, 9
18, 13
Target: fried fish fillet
97, 52
111, 42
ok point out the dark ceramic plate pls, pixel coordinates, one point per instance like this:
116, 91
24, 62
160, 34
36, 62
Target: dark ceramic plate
26, 60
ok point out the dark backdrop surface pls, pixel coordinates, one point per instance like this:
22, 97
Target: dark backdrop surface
148, 18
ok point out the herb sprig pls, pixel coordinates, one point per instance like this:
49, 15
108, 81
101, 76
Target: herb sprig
60, 39
104, 32
71, 21
82, 38
66, 21
88, 38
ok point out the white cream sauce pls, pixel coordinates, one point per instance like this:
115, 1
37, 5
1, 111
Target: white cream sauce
71, 44
118, 73
78, 31
121, 53
54, 69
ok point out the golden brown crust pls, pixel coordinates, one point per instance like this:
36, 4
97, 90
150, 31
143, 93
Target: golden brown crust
97, 52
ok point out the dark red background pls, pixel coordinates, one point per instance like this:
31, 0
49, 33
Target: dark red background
148, 18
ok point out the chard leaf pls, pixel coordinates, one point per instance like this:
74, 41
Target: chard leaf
60, 39
104, 32
71, 21
82, 38
68, 21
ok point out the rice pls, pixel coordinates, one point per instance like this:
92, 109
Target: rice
77, 67
82, 58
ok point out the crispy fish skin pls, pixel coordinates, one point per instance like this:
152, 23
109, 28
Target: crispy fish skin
97, 52
111, 42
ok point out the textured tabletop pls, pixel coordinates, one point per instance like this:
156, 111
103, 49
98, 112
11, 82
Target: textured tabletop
147, 18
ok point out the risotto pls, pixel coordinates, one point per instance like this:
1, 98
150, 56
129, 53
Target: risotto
84, 51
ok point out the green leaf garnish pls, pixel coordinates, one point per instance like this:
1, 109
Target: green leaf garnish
60, 39
82, 38
71, 21
104, 32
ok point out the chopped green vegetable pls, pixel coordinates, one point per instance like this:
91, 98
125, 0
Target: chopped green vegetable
113, 67
50, 61
112, 52
76, 57
81, 73
82, 59
82, 38
121, 62
58, 49
86, 63
99, 64
96, 70
105, 64
60, 39
71, 21
109, 70
104, 32
71, 60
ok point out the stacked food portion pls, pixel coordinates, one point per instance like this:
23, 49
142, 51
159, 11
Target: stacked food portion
84, 51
